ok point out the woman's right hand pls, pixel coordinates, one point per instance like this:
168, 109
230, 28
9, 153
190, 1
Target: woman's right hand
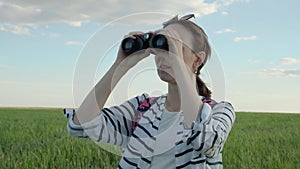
128, 61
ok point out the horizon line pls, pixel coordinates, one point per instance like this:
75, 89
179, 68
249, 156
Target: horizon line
62, 107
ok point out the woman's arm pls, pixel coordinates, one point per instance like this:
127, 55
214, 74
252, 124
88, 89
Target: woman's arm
113, 125
95, 100
190, 100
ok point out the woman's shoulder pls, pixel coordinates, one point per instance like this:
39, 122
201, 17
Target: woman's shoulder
225, 104
215, 104
224, 107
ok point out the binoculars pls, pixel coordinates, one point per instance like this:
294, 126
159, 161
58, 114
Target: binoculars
152, 40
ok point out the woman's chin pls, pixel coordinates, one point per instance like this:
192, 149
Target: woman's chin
166, 77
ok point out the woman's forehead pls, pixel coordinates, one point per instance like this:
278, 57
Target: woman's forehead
184, 34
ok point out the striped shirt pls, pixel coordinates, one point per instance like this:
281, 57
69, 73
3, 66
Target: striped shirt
198, 146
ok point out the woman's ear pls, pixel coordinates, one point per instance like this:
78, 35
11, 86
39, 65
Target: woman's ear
200, 58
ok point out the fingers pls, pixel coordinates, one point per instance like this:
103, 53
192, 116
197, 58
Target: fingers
136, 33
136, 57
131, 34
172, 36
158, 52
169, 33
174, 42
142, 54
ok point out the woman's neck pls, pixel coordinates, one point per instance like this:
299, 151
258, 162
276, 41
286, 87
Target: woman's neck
172, 103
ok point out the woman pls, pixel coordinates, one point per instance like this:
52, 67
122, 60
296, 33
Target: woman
181, 129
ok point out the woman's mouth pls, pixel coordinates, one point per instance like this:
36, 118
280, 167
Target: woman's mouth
164, 67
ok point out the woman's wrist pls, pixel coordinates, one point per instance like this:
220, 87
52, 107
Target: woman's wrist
120, 67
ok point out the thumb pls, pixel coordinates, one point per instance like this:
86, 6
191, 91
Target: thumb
142, 54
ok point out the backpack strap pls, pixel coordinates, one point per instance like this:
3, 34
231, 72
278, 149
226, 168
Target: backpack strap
209, 101
143, 107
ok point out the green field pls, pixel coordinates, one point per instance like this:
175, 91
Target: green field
37, 138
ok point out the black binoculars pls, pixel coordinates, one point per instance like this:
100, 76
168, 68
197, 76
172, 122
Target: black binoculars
152, 40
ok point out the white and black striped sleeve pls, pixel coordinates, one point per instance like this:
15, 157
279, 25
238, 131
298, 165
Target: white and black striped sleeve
113, 125
207, 136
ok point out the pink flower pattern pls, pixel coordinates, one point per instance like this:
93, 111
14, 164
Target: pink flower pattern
144, 106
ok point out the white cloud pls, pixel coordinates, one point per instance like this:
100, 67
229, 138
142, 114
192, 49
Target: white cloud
225, 30
253, 61
14, 29
288, 61
75, 23
8, 82
5, 66
73, 43
224, 13
78, 12
53, 35
229, 2
245, 38
275, 72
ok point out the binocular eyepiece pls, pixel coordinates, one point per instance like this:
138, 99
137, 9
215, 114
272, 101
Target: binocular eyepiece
152, 40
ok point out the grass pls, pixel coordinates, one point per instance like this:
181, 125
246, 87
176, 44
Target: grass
37, 138
262, 140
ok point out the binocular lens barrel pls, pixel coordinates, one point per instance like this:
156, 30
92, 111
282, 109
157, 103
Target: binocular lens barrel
130, 45
159, 42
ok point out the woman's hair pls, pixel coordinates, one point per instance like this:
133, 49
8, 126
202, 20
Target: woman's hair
200, 43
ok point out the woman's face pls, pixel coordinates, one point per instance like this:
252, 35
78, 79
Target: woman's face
164, 68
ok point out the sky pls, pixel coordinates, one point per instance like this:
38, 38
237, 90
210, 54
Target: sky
47, 47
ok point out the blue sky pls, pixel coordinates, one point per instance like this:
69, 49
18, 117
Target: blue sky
257, 43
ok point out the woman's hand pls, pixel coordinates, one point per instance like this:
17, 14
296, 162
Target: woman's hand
128, 61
